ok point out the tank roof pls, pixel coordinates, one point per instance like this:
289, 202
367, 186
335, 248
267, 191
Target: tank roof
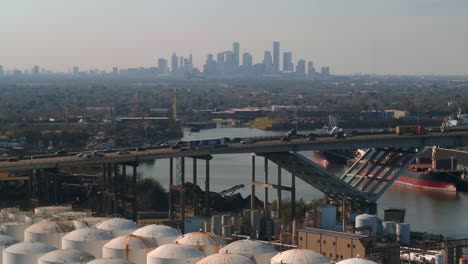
7, 240
49, 226
176, 251
356, 261
299, 256
110, 261
129, 242
247, 247
156, 231
66, 255
28, 248
225, 258
200, 238
117, 224
89, 234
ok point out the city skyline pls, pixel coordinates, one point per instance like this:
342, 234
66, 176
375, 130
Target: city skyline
398, 37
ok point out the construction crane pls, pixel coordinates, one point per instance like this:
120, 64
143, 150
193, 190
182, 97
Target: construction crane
229, 192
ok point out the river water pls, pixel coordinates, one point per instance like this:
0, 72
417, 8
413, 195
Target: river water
427, 211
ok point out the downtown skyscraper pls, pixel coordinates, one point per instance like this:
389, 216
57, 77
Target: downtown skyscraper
276, 57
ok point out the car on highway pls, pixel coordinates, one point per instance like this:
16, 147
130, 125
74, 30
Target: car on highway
140, 149
80, 155
247, 141
98, 153
12, 159
60, 152
285, 139
123, 152
339, 135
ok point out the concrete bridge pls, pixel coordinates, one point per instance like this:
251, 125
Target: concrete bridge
356, 185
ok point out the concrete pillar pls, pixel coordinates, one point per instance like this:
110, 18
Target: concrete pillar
124, 190
195, 194
252, 195
182, 194
116, 189
265, 195
171, 182
207, 189
278, 205
293, 191
134, 194
110, 207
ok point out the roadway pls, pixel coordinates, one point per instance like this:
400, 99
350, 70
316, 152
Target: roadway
260, 145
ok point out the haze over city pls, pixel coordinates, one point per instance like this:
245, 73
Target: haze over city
383, 37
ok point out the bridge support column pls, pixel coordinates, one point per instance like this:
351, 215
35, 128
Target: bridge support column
171, 183
207, 189
278, 204
116, 188
252, 196
124, 190
293, 190
265, 196
134, 194
182, 190
195, 193
109, 190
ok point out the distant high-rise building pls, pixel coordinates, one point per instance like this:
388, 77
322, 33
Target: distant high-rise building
300, 68
287, 62
220, 63
247, 60
310, 68
325, 71
174, 63
267, 62
229, 66
1, 70
181, 64
210, 65
35, 70
115, 71
235, 54
162, 65
76, 70
276, 56
190, 59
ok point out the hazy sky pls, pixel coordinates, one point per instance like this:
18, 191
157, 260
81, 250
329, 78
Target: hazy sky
351, 36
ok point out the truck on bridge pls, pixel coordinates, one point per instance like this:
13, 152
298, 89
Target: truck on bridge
413, 130
206, 143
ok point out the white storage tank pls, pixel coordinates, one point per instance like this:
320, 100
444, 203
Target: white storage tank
259, 252
403, 233
356, 261
174, 254
49, 211
327, 216
72, 215
73, 256
6, 241
367, 220
225, 258
129, 247
90, 240
193, 224
86, 222
25, 252
48, 231
19, 216
388, 228
208, 243
14, 229
160, 234
5, 212
34, 219
299, 256
110, 261
118, 226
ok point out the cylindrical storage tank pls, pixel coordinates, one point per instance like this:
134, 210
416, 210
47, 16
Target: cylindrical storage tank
118, 226
34, 219
25, 252
259, 252
5, 212
73, 256
225, 258
19, 216
299, 256
48, 231
129, 247
226, 231
90, 240
14, 229
403, 233
439, 259
49, 211
388, 228
367, 220
327, 216
208, 243
160, 234
356, 261
110, 261
6, 241
72, 215
86, 222
174, 254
